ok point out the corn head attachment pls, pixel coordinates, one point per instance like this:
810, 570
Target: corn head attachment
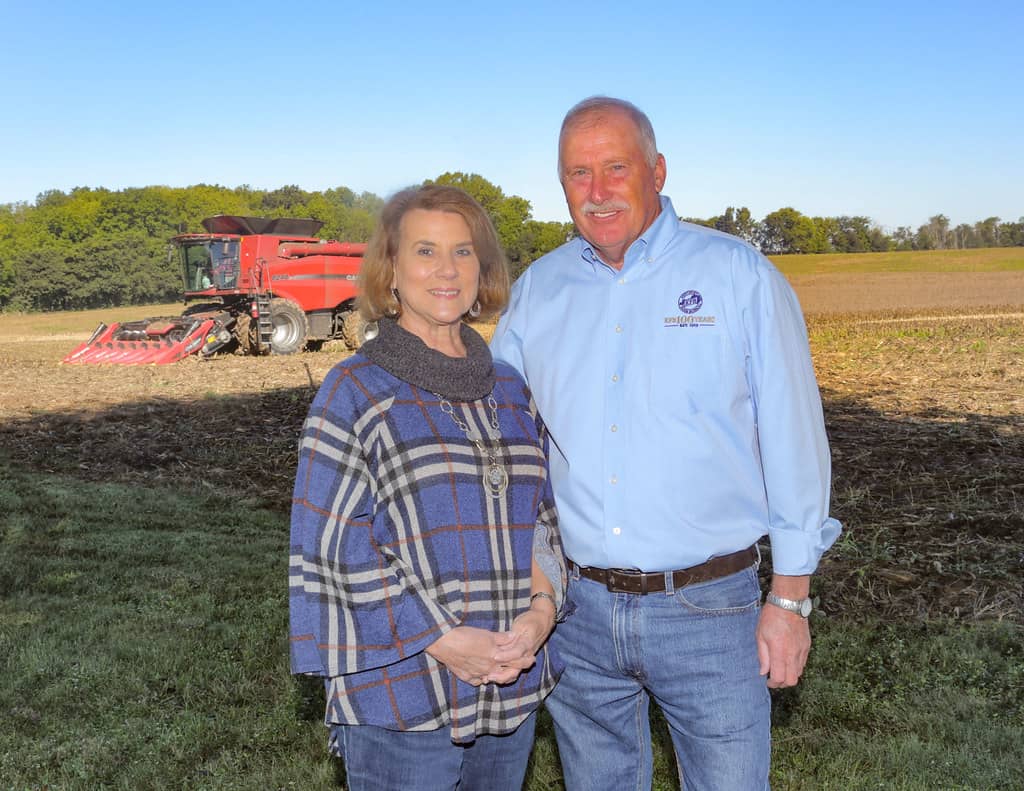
154, 341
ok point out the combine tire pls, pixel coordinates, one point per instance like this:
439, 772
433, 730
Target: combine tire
290, 327
245, 334
352, 329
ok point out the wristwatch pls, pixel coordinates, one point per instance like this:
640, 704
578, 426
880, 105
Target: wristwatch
801, 607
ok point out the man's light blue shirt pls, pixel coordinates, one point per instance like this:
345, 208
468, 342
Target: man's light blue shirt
681, 401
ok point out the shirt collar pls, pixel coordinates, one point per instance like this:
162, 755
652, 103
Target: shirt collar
646, 248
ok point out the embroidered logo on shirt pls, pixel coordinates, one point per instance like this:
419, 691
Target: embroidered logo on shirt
689, 303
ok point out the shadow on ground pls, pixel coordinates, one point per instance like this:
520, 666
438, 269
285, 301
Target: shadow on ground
932, 503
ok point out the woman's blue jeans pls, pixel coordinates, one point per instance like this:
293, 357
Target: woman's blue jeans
694, 652
377, 759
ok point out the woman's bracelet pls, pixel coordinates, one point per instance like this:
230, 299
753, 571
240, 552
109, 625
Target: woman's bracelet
543, 595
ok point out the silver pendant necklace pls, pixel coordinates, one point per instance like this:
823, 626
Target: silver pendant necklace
495, 476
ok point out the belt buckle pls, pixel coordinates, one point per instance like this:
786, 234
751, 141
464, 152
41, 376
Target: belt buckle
616, 580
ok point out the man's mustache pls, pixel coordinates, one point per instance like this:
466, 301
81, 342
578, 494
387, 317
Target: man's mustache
611, 205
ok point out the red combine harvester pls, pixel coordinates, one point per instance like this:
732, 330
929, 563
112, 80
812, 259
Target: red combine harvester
268, 285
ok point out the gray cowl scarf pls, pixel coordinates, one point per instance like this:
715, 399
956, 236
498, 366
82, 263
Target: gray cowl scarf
404, 355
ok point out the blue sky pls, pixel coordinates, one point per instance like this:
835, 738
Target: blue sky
894, 110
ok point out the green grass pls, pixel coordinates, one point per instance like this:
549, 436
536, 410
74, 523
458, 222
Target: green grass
142, 643
990, 259
143, 646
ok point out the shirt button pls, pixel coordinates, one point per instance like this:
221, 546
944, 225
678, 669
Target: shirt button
615, 377
618, 328
650, 260
622, 281
614, 428
614, 479
616, 530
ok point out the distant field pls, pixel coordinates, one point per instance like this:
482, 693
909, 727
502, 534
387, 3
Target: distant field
991, 259
859, 282
72, 324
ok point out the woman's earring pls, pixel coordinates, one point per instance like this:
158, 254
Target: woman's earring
475, 310
370, 331
398, 304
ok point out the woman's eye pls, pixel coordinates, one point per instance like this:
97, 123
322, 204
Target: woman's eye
424, 251
464, 251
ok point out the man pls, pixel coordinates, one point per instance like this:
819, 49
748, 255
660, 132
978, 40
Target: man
671, 366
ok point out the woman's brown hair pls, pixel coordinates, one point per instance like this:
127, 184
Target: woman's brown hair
376, 299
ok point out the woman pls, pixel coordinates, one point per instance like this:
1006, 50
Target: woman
426, 570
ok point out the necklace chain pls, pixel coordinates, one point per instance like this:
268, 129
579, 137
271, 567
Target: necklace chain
495, 476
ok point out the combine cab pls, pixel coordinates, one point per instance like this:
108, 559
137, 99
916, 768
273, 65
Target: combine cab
268, 286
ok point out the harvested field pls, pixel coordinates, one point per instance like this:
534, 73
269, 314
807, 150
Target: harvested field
924, 401
926, 420
908, 291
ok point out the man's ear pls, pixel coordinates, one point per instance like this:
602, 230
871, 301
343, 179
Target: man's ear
659, 172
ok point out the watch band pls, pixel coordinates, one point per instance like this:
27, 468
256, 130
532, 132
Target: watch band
801, 607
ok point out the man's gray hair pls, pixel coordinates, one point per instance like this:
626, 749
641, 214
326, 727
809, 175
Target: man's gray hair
595, 106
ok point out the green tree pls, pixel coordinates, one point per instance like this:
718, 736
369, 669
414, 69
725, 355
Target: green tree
934, 235
746, 225
851, 234
964, 236
987, 232
1011, 234
787, 231
285, 201
539, 238
509, 213
904, 238
727, 222
9, 217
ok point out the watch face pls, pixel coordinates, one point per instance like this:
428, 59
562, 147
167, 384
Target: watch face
802, 607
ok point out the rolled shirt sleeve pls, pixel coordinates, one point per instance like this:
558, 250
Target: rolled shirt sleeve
793, 447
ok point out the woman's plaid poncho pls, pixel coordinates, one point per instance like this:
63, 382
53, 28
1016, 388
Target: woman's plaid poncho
394, 541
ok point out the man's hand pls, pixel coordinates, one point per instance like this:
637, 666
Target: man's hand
783, 642
519, 646
529, 631
783, 637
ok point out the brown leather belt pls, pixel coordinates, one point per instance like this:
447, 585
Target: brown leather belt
627, 581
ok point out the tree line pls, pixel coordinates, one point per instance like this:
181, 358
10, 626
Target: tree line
92, 248
788, 231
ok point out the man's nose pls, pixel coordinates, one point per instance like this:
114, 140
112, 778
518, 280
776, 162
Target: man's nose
598, 188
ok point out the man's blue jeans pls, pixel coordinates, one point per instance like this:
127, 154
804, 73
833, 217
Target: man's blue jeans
377, 759
693, 650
